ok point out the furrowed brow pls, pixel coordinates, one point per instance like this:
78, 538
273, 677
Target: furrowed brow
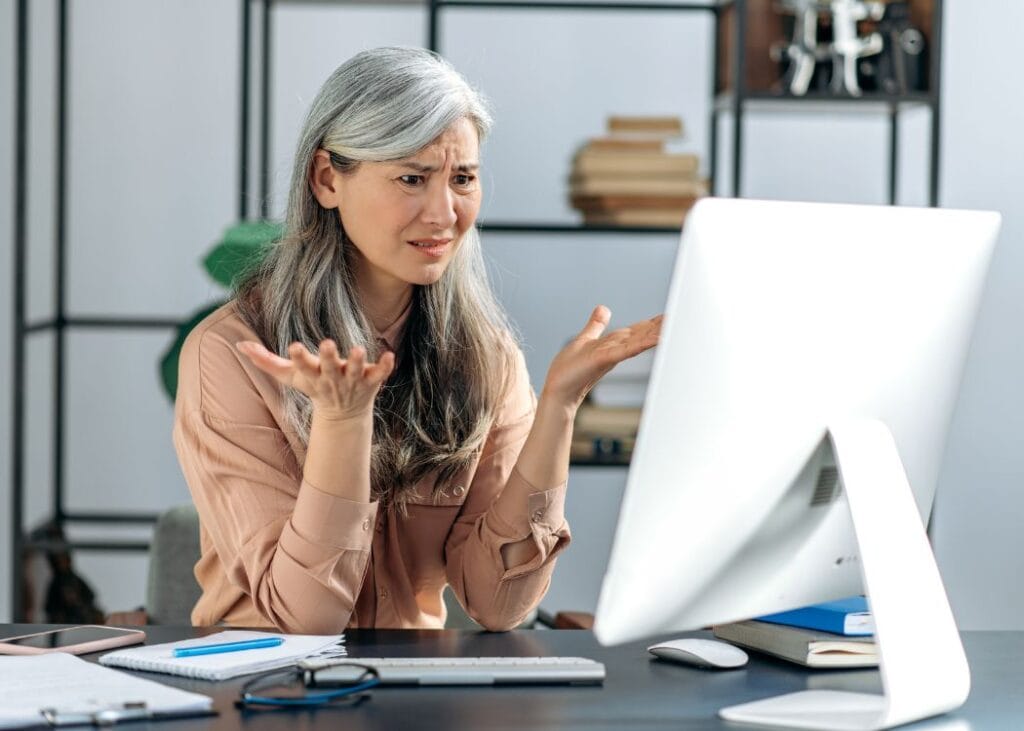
421, 168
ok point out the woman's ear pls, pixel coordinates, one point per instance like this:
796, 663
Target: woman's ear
324, 179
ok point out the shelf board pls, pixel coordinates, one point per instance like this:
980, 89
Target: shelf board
817, 102
571, 228
614, 461
712, 6
87, 517
104, 322
51, 545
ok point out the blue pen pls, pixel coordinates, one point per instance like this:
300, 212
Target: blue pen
228, 647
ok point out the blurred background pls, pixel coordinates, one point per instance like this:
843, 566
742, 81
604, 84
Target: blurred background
175, 121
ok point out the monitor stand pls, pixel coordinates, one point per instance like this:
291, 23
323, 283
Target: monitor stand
922, 662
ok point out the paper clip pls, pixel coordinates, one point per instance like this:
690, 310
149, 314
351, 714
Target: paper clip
129, 711
113, 714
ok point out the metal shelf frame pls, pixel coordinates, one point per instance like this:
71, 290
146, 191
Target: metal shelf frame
734, 101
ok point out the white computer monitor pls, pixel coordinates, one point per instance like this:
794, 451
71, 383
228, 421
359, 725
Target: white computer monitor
808, 369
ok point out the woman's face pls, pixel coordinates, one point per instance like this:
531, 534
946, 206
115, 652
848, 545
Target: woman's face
407, 217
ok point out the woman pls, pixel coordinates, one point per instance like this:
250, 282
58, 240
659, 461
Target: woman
357, 426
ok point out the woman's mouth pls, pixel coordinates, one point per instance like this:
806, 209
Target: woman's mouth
431, 247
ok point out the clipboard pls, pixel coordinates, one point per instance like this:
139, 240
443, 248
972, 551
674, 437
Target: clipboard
109, 716
57, 689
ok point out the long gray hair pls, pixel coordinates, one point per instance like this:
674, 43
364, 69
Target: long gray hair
455, 358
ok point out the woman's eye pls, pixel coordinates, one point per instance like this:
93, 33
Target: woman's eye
411, 179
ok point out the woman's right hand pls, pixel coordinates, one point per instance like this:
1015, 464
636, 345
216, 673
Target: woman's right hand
341, 389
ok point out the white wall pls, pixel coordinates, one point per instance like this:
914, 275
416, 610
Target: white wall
7, 57
152, 185
980, 504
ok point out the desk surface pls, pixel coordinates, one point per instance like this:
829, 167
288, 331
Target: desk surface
639, 693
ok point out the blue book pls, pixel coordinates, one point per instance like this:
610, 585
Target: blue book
849, 616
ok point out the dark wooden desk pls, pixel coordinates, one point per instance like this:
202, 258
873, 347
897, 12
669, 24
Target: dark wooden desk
639, 693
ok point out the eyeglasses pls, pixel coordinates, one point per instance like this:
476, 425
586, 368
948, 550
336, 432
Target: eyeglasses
291, 688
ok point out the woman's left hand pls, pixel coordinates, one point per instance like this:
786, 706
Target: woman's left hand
589, 356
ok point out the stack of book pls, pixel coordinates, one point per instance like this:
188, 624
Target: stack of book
628, 178
835, 634
608, 421
604, 433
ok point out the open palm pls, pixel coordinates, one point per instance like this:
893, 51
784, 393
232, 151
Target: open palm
339, 388
590, 355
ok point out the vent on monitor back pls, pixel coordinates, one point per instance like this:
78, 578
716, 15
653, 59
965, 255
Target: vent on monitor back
827, 488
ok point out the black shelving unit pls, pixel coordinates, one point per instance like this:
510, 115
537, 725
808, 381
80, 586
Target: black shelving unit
736, 101
62, 321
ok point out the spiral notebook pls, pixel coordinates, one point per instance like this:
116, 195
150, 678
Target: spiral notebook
160, 658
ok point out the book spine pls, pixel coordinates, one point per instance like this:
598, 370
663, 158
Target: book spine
840, 623
764, 639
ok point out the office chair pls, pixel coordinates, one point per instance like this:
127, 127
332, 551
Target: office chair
171, 587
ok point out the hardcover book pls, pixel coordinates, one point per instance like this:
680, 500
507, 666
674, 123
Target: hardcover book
810, 648
849, 616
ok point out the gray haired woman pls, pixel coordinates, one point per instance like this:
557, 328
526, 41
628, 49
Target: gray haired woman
357, 427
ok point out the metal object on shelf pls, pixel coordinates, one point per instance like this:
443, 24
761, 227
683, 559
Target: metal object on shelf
847, 46
844, 49
804, 51
900, 68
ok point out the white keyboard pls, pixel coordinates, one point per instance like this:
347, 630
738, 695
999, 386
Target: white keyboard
458, 670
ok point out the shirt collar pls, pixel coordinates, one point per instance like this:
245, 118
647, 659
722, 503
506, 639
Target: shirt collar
392, 336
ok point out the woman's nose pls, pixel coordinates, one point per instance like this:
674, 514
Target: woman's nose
439, 207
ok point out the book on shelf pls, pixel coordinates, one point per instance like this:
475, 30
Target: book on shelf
652, 185
653, 217
604, 203
849, 616
668, 126
610, 421
626, 144
628, 178
594, 161
807, 647
604, 450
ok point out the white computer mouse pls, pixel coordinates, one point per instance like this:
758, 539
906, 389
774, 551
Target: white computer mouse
700, 653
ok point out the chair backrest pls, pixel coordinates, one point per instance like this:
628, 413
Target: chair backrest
457, 617
171, 588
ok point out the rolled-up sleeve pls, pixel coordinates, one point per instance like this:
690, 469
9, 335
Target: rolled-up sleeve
502, 508
299, 553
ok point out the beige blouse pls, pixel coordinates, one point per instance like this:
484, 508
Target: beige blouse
276, 551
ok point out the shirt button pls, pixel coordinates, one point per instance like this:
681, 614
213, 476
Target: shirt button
366, 524
459, 491
383, 593
538, 516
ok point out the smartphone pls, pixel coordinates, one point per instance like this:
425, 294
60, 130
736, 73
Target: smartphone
74, 640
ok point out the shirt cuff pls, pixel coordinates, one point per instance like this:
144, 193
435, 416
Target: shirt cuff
332, 521
523, 509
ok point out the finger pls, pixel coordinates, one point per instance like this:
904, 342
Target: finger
280, 368
646, 332
330, 363
304, 361
384, 367
654, 332
631, 341
356, 363
599, 319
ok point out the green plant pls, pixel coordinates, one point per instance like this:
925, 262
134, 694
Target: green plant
242, 247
